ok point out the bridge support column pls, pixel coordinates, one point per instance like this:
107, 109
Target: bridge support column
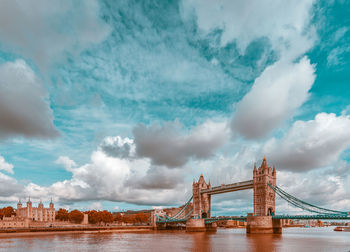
211, 227
263, 225
195, 225
198, 225
153, 220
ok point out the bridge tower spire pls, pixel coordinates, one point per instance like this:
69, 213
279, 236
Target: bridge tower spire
264, 196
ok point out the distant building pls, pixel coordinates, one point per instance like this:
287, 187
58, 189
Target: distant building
13, 222
39, 213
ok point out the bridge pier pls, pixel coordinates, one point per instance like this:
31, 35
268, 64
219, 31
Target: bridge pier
195, 225
263, 225
199, 225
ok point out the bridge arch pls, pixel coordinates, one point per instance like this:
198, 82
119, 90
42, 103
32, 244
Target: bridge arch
270, 212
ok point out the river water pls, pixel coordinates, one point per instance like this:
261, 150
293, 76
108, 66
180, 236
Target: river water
292, 239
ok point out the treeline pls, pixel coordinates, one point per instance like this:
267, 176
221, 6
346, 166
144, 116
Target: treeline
99, 217
137, 218
74, 216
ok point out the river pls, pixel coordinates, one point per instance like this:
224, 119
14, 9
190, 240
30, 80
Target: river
292, 239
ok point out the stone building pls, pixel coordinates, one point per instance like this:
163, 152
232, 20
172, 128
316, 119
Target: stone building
39, 213
13, 222
264, 196
201, 201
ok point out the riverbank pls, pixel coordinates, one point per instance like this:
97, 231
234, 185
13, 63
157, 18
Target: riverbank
72, 230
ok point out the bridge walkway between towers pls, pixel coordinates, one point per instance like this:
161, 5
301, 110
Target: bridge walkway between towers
244, 185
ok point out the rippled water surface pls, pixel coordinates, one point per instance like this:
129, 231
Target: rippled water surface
292, 239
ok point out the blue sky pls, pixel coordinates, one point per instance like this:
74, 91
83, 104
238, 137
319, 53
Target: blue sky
120, 104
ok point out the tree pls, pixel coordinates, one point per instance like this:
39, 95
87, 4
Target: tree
7, 212
106, 216
118, 217
93, 217
62, 214
141, 218
76, 216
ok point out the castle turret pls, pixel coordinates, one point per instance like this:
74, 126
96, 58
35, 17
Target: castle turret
29, 203
51, 204
40, 205
29, 209
19, 204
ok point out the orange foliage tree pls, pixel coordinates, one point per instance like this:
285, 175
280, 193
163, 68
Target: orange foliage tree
93, 217
141, 218
132, 218
76, 216
100, 216
7, 212
106, 217
62, 214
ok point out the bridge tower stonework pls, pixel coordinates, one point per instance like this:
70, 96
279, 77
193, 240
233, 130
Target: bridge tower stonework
201, 201
264, 202
201, 208
264, 196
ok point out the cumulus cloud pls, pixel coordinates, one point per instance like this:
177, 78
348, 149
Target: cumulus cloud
325, 191
35, 30
68, 164
276, 94
95, 206
105, 177
167, 145
282, 87
116, 146
311, 144
5, 166
159, 178
118, 179
9, 186
24, 107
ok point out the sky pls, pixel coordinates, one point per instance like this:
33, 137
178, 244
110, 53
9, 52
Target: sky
120, 105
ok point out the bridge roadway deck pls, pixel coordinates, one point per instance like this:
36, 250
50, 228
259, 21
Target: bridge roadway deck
244, 185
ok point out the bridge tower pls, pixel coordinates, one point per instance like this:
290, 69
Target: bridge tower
201, 201
264, 196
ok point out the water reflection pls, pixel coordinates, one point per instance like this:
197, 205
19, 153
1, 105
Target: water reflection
297, 239
201, 242
263, 242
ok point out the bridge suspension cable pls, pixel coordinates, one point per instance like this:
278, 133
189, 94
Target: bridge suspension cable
304, 205
177, 217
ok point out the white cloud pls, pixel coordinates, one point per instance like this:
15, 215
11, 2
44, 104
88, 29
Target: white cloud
24, 106
116, 146
311, 144
282, 87
276, 94
95, 206
36, 30
337, 56
5, 166
283, 23
66, 162
167, 145
325, 191
116, 179
9, 187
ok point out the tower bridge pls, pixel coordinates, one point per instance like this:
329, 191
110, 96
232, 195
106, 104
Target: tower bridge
197, 215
